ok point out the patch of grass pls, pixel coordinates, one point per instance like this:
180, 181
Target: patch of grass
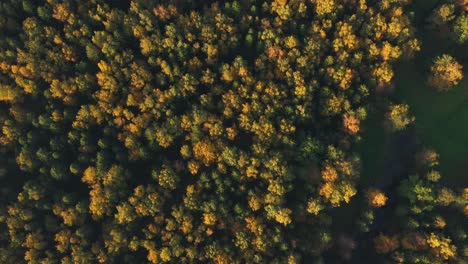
373, 148
441, 118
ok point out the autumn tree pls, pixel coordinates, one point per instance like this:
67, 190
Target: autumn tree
376, 198
446, 72
399, 117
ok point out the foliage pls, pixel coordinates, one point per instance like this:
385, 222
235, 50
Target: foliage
376, 198
430, 222
454, 15
399, 117
446, 72
187, 132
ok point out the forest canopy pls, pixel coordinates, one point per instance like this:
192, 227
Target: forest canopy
209, 132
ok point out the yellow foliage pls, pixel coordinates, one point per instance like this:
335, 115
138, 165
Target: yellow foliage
164, 13
193, 167
282, 216
342, 76
57, 116
186, 226
329, 174
441, 246
254, 203
164, 139
300, 90
374, 50
293, 259
186, 123
376, 198
204, 152
263, 129
334, 104
231, 133
395, 27
190, 189
351, 124
326, 190
324, 7
153, 256
281, 2
345, 167
345, 81
104, 67
99, 202
61, 12
414, 45
89, 176
8, 93
383, 73
146, 46
345, 38
123, 214
314, 207
274, 52
348, 191
291, 42
209, 219
251, 171
227, 74
68, 53
253, 224
336, 194
287, 127
63, 240
25, 71
446, 73
242, 71
281, 9
362, 5
68, 215
399, 116
445, 197
390, 52
165, 254
24, 161
439, 222
260, 244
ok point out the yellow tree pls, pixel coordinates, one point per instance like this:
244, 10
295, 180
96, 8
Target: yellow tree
446, 72
376, 198
399, 117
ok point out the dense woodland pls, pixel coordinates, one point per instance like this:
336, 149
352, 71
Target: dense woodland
216, 132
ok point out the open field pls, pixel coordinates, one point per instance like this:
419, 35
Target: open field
441, 118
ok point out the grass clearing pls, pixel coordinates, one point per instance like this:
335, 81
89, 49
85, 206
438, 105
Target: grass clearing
441, 117
373, 147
